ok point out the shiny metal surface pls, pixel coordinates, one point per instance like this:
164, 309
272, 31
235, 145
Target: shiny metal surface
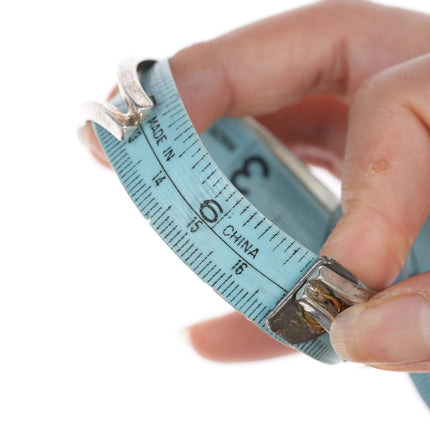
122, 124
310, 308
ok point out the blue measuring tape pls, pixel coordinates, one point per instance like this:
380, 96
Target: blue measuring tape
242, 212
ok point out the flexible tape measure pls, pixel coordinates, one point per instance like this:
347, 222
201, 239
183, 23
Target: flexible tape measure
242, 212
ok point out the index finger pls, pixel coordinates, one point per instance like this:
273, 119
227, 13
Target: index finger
329, 47
323, 48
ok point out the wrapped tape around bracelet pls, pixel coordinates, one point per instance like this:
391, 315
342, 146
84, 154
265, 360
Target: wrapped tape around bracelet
241, 211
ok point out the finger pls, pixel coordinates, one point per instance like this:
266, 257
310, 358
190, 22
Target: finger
265, 66
386, 179
391, 331
314, 129
233, 338
88, 138
422, 367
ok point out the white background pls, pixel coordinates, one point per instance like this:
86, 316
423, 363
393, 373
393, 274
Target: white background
91, 315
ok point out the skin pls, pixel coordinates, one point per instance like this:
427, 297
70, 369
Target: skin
345, 84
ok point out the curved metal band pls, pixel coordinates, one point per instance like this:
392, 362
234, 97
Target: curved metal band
123, 124
263, 284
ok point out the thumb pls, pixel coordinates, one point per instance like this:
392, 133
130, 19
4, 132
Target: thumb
386, 189
386, 175
391, 331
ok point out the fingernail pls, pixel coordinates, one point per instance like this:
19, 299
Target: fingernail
390, 330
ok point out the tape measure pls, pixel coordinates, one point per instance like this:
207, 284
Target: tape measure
240, 210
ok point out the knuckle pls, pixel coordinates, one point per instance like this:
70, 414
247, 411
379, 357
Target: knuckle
379, 91
375, 88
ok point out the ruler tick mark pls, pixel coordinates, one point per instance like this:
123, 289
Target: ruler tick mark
237, 295
289, 246
217, 182
259, 223
249, 219
128, 184
226, 288
120, 166
230, 196
182, 124
249, 307
188, 148
182, 246
207, 165
162, 223
174, 106
147, 197
228, 212
221, 191
263, 311
306, 266
153, 216
134, 186
179, 240
196, 259
279, 244
126, 170
177, 137
187, 138
232, 291
295, 251
176, 235
245, 209
264, 232
249, 298
117, 149
237, 304
119, 157
196, 152
209, 271
134, 173
142, 206
274, 235
208, 177
139, 193
225, 280
176, 112
195, 250
127, 176
303, 256
204, 259
213, 276
255, 310
199, 160
219, 279
150, 210
204, 267
164, 212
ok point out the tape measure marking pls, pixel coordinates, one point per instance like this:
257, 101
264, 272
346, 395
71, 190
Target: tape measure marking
214, 208
213, 228
151, 164
190, 210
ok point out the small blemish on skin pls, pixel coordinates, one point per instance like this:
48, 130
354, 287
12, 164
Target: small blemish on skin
379, 166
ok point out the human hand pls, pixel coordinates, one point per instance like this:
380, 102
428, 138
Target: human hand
345, 85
